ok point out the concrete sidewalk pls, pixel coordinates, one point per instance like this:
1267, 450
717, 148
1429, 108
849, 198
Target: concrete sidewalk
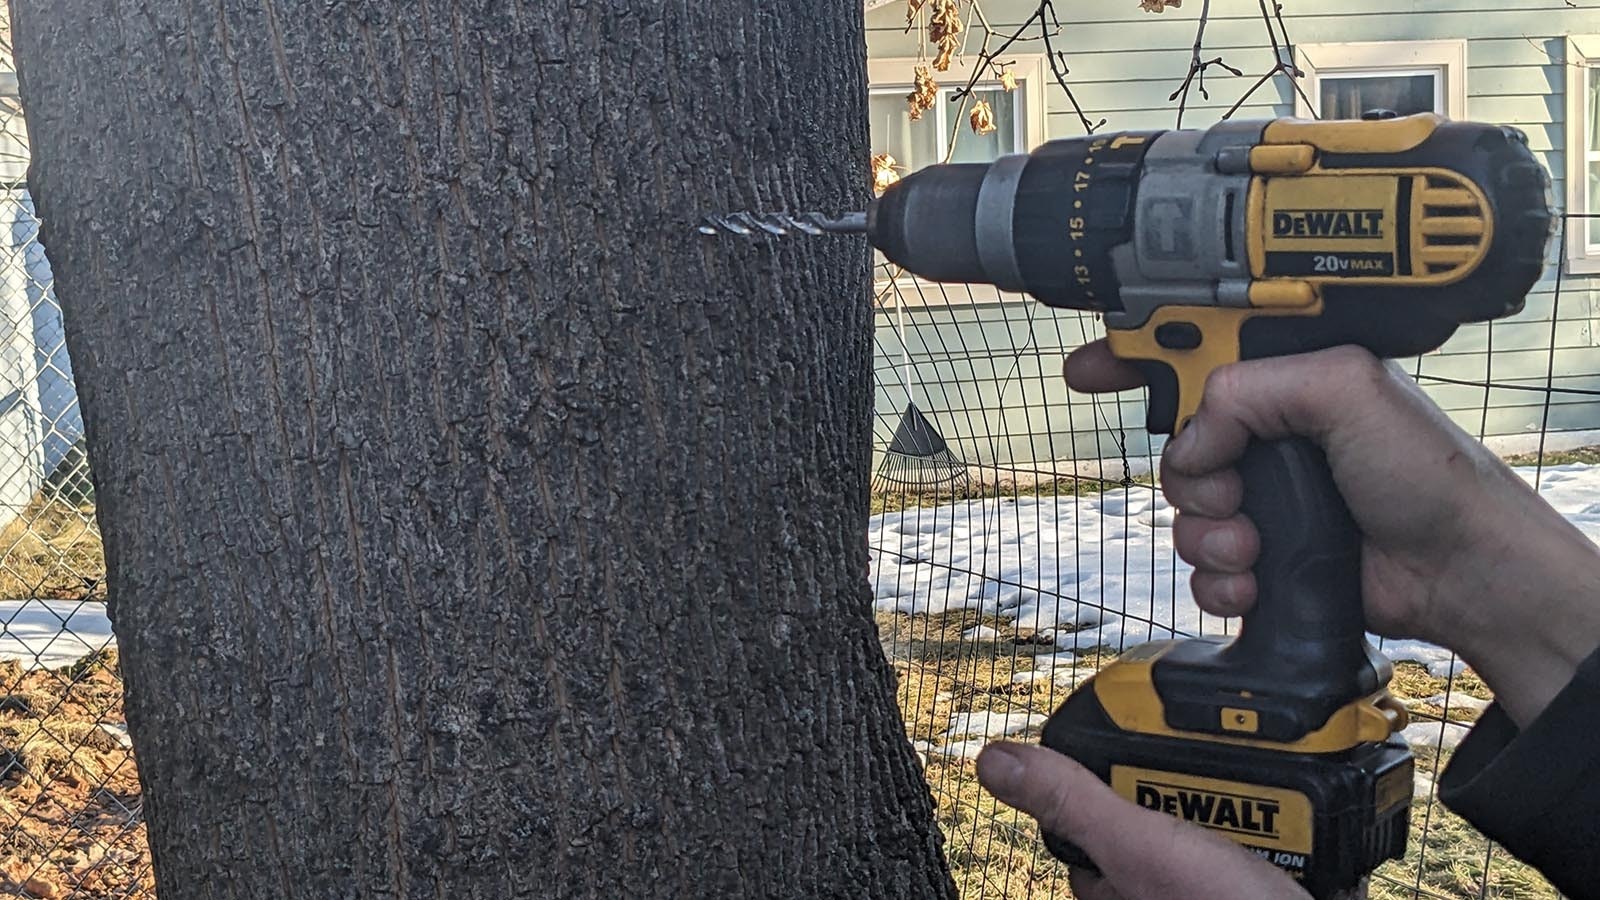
44, 634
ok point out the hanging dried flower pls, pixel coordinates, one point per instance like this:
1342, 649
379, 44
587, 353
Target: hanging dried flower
1156, 6
982, 117
944, 30
912, 8
1008, 80
884, 172
924, 94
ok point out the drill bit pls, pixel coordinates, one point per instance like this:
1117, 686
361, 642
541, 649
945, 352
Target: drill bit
777, 224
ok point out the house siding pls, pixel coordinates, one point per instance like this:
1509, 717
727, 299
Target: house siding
1124, 64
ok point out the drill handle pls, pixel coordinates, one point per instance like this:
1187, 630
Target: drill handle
1307, 625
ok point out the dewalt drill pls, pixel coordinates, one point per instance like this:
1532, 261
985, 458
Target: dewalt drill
1249, 239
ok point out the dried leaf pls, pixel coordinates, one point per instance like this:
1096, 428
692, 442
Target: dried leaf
944, 30
884, 172
982, 117
924, 93
912, 8
1156, 6
1008, 80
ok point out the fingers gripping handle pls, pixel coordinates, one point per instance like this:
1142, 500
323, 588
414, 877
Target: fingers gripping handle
1307, 626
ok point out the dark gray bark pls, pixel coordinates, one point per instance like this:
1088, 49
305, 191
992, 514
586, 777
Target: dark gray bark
474, 527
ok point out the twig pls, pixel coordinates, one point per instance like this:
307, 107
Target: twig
1044, 25
1283, 61
986, 58
1197, 67
1058, 63
1044, 15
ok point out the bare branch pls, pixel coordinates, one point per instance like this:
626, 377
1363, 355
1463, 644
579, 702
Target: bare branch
1283, 60
1044, 19
1044, 26
1197, 66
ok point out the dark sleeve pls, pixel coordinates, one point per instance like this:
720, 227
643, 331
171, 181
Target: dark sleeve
1537, 792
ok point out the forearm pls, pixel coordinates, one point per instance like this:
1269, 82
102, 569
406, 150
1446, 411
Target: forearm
1533, 614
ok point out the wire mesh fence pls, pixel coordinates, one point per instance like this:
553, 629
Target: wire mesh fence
71, 817
1001, 588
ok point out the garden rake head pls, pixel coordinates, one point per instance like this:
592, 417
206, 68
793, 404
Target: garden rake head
919, 461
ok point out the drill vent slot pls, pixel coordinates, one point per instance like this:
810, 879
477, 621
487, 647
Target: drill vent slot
1227, 226
1450, 224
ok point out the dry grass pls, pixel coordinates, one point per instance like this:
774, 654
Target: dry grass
993, 852
52, 550
71, 820
996, 854
1586, 455
1064, 486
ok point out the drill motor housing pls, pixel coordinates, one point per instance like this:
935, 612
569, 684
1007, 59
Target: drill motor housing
1247, 240
1283, 235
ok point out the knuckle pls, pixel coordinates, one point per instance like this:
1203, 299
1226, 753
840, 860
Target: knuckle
1357, 365
1055, 808
1225, 385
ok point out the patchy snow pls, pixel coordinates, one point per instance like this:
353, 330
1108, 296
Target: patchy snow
1430, 735
1099, 570
118, 732
44, 634
960, 749
1458, 700
992, 724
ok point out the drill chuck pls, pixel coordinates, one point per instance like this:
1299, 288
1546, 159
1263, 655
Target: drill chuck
1022, 210
897, 224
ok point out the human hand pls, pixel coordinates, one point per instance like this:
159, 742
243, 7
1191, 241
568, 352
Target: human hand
1456, 549
1142, 854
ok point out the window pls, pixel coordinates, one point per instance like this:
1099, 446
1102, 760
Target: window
915, 144
1345, 80
1583, 152
1018, 115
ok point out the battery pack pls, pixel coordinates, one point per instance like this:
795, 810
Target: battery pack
1327, 819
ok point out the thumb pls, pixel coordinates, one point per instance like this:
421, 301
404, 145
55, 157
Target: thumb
1144, 854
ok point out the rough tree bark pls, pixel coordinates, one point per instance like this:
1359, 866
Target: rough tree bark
474, 527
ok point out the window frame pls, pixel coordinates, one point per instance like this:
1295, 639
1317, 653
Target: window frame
1447, 58
898, 74
1583, 57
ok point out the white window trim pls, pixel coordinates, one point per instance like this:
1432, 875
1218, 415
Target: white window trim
1583, 55
1448, 57
1030, 69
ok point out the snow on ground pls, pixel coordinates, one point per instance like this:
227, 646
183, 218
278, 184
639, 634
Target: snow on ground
1097, 570
51, 633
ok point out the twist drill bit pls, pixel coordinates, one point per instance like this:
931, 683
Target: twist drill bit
776, 224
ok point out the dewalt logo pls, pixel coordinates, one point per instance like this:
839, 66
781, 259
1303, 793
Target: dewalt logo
1328, 223
1238, 813
1275, 821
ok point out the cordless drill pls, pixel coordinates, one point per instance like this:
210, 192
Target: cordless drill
1202, 248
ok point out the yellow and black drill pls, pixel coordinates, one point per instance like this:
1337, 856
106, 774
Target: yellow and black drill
1200, 248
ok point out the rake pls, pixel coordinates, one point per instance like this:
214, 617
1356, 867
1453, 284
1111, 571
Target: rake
918, 459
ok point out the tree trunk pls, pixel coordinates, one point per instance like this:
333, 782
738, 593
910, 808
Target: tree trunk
475, 528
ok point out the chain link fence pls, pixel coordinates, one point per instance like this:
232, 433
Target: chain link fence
71, 816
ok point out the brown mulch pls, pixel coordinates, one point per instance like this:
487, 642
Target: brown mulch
71, 818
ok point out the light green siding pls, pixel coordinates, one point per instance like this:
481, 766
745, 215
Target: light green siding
988, 373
